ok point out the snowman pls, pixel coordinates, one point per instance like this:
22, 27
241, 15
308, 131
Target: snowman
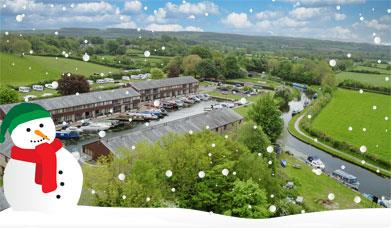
41, 174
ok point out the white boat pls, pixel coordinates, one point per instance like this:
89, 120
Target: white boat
94, 127
315, 162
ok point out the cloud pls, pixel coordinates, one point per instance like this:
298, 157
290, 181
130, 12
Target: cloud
267, 14
47, 15
339, 33
172, 28
302, 13
289, 22
237, 20
158, 16
384, 23
324, 2
193, 8
339, 16
266, 24
133, 6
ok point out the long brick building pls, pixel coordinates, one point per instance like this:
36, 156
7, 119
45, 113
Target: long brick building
163, 88
217, 120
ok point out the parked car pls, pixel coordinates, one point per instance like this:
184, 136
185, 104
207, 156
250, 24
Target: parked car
187, 100
195, 98
153, 112
179, 103
227, 104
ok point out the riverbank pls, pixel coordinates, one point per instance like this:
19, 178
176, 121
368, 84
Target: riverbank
316, 195
295, 130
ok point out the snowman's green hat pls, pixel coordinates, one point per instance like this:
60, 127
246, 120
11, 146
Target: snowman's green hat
19, 114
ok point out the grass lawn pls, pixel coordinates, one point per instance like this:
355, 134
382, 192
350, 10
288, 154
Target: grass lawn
350, 108
315, 189
139, 58
370, 79
381, 70
257, 80
20, 74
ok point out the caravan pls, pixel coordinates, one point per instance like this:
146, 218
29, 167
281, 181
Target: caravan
38, 87
24, 89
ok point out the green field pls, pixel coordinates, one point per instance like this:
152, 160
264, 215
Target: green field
20, 74
315, 189
257, 80
352, 109
370, 79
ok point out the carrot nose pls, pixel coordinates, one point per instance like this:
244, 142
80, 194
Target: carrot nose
39, 133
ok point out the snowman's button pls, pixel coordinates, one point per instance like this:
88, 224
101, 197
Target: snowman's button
60, 172
58, 196
62, 183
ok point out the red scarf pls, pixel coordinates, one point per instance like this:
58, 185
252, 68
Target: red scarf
44, 157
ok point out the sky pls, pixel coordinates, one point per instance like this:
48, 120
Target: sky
341, 20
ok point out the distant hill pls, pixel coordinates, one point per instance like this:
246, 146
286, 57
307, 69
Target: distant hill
235, 41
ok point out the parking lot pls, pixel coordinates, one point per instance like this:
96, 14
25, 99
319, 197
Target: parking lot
76, 145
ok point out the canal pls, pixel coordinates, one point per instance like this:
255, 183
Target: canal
369, 181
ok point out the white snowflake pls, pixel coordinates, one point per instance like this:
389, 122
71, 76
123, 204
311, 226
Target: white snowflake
201, 174
86, 57
121, 177
272, 208
269, 149
147, 53
377, 40
357, 199
225, 172
331, 196
102, 134
168, 173
332, 62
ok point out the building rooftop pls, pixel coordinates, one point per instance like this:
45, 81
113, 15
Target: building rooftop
151, 84
81, 99
214, 119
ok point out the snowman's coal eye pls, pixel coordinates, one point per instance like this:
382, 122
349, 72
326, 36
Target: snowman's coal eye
41, 125
28, 129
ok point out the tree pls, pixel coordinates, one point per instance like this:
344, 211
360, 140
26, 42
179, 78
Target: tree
157, 73
258, 64
284, 94
231, 68
173, 68
114, 48
8, 95
265, 113
247, 200
207, 69
254, 138
72, 84
202, 52
189, 64
186, 156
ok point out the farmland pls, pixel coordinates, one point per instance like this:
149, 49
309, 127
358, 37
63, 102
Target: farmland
375, 76
368, 116
15, 70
